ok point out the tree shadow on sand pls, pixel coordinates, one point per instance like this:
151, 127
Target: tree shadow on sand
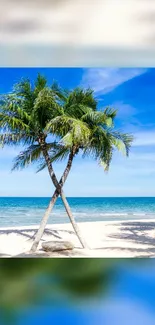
51, 233
138, 233
30, 233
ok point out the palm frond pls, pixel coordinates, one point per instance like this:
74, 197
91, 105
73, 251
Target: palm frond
45, 107
103, 142
11, 122
59, 93
40, 84
122, 141
26, 157
110, 112
23, 92
98, 118
77, 110
80, 96
10, 139
69, 128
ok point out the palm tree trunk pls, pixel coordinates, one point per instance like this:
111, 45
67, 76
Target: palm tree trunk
59, 188
72, 220
44, 221
58, 191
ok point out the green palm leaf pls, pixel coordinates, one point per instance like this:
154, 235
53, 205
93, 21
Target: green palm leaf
27, 157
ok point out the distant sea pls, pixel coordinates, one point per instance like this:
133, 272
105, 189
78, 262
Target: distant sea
18, 211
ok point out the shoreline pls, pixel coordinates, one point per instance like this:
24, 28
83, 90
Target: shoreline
115, 239
50, 225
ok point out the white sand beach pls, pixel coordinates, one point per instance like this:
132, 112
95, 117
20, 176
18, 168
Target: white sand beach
105, 239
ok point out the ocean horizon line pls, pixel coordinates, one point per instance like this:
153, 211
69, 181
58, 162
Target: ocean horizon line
70, 197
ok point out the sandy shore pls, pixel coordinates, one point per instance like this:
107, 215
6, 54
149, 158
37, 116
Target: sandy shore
105, 239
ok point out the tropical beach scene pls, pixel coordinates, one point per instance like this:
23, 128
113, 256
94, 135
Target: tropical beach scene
77, 162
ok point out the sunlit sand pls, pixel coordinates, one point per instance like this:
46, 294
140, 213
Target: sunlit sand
105, 239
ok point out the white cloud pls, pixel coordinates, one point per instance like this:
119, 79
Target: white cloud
124, 110
150, 157
104, 80
144, 138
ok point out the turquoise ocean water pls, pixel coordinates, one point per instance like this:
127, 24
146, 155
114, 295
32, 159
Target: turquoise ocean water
29, 211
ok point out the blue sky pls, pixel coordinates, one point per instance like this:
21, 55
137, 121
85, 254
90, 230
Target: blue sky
131, 91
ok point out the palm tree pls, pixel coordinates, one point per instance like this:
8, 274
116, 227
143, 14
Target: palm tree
77, 125
98, 140
24, 116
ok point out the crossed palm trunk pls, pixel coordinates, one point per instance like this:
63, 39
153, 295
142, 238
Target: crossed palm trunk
58, 191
